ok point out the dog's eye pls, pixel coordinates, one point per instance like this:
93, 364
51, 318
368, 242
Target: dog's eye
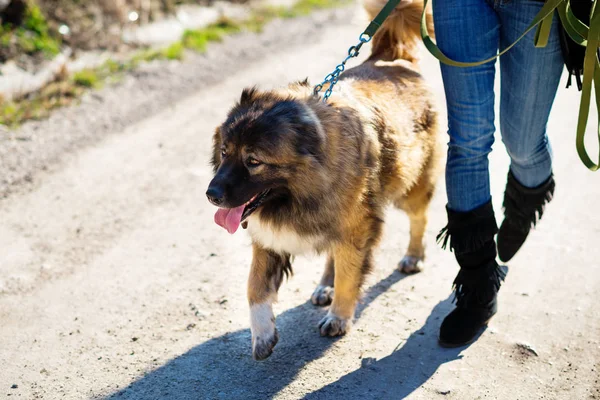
253, 162
223, 153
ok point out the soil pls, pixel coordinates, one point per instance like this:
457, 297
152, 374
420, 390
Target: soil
116, 283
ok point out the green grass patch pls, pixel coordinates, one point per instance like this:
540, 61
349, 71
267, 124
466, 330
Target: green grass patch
145, 56
305, 7
173, 52
60, 93
39, 105
262, 16
198, 39
32, 37
87, 78
115, 69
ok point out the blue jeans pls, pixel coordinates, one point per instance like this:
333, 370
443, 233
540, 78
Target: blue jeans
472, 30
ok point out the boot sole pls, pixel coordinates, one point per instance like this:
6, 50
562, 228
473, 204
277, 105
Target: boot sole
447, 345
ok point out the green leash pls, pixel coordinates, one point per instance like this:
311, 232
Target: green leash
381, 17
591, 72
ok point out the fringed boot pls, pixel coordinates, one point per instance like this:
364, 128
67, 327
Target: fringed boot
523, 208
471, 238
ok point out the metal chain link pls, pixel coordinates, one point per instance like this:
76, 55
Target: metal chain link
333, 77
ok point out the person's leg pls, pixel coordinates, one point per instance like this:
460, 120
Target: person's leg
529, 80
468, 30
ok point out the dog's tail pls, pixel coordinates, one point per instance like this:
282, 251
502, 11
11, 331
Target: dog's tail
399, 36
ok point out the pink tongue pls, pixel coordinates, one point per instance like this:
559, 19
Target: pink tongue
230, 219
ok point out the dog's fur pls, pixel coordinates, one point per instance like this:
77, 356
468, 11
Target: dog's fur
331, 169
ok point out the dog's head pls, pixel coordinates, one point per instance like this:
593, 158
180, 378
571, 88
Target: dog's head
267, 148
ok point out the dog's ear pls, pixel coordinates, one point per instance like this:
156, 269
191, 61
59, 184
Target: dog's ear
312, 137
303, 83
248, 95
216, 155
300, 87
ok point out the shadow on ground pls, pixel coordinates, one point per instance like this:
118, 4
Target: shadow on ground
223, 366
402, 372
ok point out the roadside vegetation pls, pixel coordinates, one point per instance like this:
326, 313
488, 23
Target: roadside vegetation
34, 37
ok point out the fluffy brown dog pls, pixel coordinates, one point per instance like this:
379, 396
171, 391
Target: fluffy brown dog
303, 175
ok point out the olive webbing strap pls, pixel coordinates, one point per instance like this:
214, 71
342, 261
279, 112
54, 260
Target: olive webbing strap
381, 17
546, 12
591, 76
542, 34
578, 31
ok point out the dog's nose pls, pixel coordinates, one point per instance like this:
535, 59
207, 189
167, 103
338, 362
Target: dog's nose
215, 195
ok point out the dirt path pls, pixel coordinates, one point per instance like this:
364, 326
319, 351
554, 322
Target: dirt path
114, 282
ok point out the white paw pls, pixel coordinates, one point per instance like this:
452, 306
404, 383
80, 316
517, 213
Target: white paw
264, 333
411, 264
322, 296
332, 325
262, 346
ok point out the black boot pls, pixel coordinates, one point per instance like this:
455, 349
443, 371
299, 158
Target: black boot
523, 208
471, 237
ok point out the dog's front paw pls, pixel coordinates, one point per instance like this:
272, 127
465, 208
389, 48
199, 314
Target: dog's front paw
322, 296
264, 333
411, 264
332, 325
262, 346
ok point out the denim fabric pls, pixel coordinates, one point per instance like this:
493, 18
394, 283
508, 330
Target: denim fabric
471, 30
